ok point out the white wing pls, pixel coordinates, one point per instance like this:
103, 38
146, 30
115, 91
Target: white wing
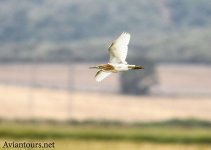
100, 75
118, 49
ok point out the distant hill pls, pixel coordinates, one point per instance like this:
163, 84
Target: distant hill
63, 30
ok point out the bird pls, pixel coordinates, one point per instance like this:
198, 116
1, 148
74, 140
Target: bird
117, 58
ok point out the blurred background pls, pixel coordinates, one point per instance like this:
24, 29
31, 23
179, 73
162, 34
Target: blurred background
46, 48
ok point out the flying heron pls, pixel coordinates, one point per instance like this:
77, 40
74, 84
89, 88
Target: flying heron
118, 53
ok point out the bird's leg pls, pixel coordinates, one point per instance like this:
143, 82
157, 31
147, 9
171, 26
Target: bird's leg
95, 67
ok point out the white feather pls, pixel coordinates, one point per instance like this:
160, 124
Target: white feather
118, 49
100, 75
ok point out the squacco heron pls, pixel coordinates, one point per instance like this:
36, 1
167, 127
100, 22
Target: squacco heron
118, 53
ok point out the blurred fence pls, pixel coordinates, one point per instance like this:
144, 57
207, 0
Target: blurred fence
69, 91
173, 79
60, 76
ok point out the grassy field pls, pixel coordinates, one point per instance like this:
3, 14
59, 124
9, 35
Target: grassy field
24, 102
144, 133
172, 78
110, 137
27, 102
62, 144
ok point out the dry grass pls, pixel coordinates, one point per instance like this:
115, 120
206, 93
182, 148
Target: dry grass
27, 102
173, 79
111, 145
184, 79
114, 145
56, 75
22, 102
185, 75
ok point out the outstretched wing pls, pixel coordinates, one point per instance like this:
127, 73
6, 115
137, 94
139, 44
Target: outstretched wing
118, 49
100, 75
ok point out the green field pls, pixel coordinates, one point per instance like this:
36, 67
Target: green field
166, 132
111, 136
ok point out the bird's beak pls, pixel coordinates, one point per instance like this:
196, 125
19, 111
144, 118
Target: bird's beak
138, 67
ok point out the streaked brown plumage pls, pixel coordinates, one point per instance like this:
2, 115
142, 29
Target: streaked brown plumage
118, 53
